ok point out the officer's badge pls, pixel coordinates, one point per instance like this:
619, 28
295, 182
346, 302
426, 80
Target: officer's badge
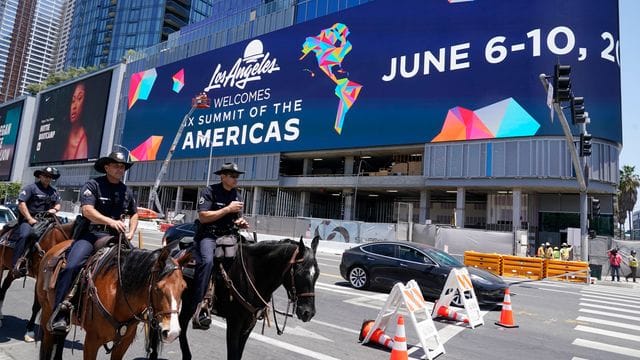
87, 193
201, 201
23, 192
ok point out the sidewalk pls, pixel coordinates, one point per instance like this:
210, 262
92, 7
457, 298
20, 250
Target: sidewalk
606, 280
327, 247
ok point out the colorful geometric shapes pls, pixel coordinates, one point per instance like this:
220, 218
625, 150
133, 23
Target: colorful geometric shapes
147, 150
140, 85
347, 91
178, 81
505, 118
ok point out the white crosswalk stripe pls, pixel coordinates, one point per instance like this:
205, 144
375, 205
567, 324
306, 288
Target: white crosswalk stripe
613, 325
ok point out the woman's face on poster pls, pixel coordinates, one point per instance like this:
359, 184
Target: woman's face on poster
77, 102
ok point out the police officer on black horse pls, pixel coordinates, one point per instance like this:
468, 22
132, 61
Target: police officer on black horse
105, 201
219, 213
34, 199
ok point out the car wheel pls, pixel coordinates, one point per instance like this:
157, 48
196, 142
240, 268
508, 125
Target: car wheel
358, 277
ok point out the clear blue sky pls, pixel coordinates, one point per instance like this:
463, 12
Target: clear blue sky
630, 67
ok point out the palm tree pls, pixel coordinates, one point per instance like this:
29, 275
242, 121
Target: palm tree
628, 189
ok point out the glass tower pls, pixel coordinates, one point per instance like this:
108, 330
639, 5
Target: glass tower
102, 31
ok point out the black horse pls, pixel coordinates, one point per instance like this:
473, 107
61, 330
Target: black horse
260, 267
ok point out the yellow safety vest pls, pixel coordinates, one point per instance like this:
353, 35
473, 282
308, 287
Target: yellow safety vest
541, 252
549, 253
556, 254
564, 254
633, 262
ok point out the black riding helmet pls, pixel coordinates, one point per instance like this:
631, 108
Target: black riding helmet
48, 171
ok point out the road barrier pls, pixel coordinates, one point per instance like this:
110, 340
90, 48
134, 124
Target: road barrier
532, 268
574, 271
489, 262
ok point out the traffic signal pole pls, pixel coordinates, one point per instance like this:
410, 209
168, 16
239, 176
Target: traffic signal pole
579, 169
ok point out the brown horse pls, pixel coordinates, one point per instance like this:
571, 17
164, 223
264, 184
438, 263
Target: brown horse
123, 289
56, 234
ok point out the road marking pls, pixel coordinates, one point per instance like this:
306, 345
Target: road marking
607, 347
561, 291
612, 308
609, 299
618, 294
615, 334
300, 331
578, 358
608, 323
327, 259
335, 326
331, 275
324, 264
589, 311
281, 344
610, 302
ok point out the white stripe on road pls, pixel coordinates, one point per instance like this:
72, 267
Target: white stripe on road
561, 291
327, 265
607, 297
618, 294
607, 347
327, 259
578, 358
335, 326
610, 302
607, 322
589, 311
282, 344
612, 308
615, 334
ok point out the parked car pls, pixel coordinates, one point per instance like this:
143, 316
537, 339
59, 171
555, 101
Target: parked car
382, 264
178, 232
13, 207
6, 215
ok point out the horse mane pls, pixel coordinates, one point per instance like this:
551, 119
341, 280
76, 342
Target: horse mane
136, 266
273, 249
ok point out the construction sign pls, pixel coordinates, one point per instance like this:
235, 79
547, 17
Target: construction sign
459, 283
409, 298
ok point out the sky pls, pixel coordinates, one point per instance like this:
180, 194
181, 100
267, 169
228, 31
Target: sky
630, 73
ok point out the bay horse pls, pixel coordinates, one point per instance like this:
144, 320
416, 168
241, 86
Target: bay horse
55, 234
257, 271
124, 288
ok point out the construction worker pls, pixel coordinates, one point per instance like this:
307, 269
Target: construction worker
540, 252
565, 252
549, 253
556, 253
633, 265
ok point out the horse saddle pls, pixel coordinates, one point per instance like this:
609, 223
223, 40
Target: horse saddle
6, 235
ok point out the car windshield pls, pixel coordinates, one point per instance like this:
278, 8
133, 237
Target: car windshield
443, 258
6, 215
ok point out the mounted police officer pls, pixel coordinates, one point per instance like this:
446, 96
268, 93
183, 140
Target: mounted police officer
105, 201
219, 213
34, 199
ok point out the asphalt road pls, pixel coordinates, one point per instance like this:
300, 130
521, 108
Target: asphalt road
556, 321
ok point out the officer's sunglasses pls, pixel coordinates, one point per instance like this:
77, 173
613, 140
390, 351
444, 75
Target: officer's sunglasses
235, 176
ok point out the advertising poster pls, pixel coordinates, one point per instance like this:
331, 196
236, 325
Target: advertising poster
70, 121
10, 116
385, 73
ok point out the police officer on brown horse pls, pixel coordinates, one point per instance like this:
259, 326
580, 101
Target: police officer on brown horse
104, 200
219, 211
34, 199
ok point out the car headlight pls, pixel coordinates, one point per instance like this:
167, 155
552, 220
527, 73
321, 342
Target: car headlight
480, 279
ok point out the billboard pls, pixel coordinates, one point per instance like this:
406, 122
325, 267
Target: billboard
10, 116
384, 73
70, 121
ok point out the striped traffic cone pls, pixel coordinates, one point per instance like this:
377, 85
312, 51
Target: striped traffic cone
399, 351
378, 336
506, 316
446, 312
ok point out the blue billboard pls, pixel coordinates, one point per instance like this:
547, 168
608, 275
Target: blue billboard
10, 116
385, 73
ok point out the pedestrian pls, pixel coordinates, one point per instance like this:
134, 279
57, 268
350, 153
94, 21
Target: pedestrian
34, 199
633, 265
219, 213
549, 253
540, 252
614, 262
556, 253
105, 201
565, 252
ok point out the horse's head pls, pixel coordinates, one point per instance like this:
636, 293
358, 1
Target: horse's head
166, 294
301, 280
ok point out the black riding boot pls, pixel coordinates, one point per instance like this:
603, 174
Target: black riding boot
60, 321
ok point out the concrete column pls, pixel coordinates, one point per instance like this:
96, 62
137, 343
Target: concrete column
307, 166
348, 165
425, 203
460, 203
179, 192
515, 208
257, 200
348, 204
303, 207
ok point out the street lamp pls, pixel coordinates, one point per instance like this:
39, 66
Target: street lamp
355, 191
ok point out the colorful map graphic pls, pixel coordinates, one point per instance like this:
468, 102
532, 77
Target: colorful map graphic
505, 118
178, 81
330, 47
140, 85
148, 150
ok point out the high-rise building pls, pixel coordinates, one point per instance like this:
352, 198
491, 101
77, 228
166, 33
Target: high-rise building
102, 31
63, 38
29, 33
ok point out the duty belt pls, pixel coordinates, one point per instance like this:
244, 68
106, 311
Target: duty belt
102, 228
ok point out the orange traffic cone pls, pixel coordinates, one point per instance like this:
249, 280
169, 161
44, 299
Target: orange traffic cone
446, 312
399, 351
506, 316
378, 336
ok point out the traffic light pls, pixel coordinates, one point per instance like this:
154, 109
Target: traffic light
577, 110
595, 207
585, 144
562, 83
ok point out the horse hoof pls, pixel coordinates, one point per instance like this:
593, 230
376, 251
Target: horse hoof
30, 336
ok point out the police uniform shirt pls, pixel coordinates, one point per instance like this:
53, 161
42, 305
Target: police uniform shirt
38, 198
216, 197
111, 200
